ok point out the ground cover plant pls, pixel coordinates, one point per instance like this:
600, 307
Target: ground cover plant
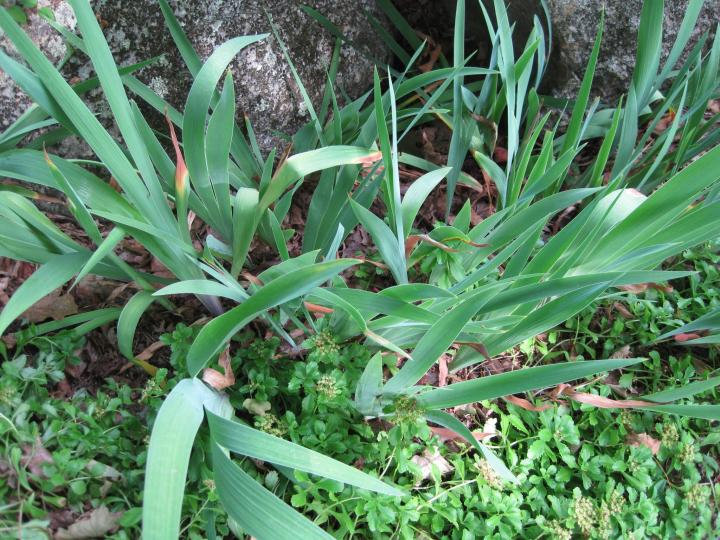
341, 408
573, 461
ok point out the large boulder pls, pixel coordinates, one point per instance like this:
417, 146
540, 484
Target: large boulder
12, 100
575, 24
265, 88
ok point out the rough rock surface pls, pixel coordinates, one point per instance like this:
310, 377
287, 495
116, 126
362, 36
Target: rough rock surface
265, 88
12, 100
574, 27
575, 24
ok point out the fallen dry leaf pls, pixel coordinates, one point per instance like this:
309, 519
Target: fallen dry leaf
158, 268
434, 55
477, 347
148, 352
598, 401
96, 525
34, 457
217, 380
665, 122
500, 154
117, 291
428, 459
76, 370
490, 427
623, 352
258, 408
622, 310
54, 306
442, 370
643, 439
525, 404
445, 434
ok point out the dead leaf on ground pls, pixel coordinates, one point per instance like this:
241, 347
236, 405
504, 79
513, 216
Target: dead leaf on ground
54, 306
490, 426
76, 370
525, 404
159, 269
643, 439
445, 434
623, 352
477, 347
598, 401
148, 351
117, 291
622, 310
434, 55
34, 457
4, 298
665, 122
218, 380
428, 459
97, 524
96, 290
258, 408
500, 154
442, 370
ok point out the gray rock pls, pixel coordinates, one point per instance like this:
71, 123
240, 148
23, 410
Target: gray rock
12, 100
575, 25
265, 88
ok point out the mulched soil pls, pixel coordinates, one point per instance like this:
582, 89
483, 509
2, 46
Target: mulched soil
99, 357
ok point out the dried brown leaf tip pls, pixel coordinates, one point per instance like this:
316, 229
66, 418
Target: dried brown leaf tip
413, 240
642, 287
565, 390
680, 338
369, 160
317, 309
218, 380
665, 121
181, 172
